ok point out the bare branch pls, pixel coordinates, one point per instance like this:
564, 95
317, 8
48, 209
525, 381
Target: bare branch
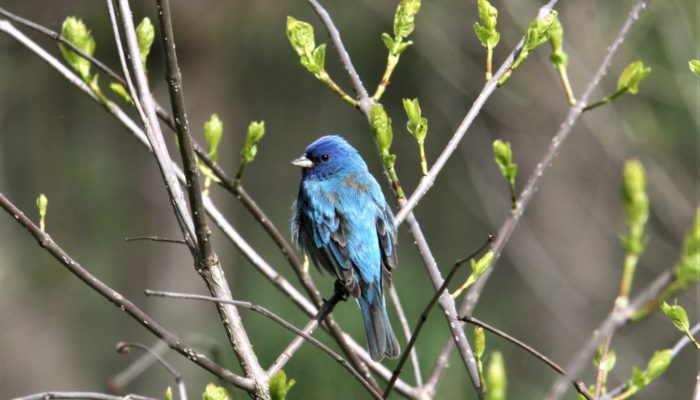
579, 385
393, 294
424, 315
118, 300
118, 382
81, 395
123, 348
154, 239
282, 322
618, 317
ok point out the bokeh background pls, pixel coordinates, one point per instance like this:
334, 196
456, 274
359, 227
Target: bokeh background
560, 271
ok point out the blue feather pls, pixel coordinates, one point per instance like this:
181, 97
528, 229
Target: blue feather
343, 222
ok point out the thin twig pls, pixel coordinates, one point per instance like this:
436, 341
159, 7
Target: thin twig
124, 347
120, 301
579, 385
424, 315
358, 351
618, 317
144, 104
394, 296
675, 350
154, 239
288, 352
279, 320
81, 395
118, 382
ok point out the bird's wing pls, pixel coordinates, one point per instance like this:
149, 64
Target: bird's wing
321, 234
386, 232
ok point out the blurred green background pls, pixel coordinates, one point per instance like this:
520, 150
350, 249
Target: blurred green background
560, 271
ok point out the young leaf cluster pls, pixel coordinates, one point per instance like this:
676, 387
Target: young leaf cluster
537, 33
213, 131
478, 268
256, 131
417, 126
679, 318
486, 31
503, 156
496, 380
280, 386
640, 379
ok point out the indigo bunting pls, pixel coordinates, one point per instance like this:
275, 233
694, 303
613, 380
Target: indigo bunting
343, 223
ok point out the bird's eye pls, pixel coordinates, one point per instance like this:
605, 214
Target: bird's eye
325, 157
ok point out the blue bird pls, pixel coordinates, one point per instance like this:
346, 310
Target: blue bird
343, 223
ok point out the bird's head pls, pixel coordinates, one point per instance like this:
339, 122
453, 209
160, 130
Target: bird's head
328, 156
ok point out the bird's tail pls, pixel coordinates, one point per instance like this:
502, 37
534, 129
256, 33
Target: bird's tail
380, 337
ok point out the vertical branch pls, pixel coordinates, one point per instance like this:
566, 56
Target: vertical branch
394, 295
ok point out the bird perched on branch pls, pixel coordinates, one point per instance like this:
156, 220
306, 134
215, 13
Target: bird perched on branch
342, 221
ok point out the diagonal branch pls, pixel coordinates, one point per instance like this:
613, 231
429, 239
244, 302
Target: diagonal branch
618, 317
579, 385
120, 301
81, 395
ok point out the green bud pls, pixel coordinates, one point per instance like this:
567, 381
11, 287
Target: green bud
487, 34
381, 126
503, 156
404, 19
631, 76
42, 202
479, 341
636, 204
121, 92
677, 315
659, 363
256, 131
496, 380
301, 36
169, 393
610, 360
75, 31
556, 39
213, 129
213, 392
539, 31
417, 125
694, 66
688, 269
280, 386
145, 33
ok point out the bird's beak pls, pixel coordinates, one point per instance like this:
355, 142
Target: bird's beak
303, 162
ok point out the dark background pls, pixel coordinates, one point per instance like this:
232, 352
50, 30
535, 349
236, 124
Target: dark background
559, 274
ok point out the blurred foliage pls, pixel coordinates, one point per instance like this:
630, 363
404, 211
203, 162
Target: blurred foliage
558, 270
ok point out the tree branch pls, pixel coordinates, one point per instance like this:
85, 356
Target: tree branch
618, 317
579, 385
81, 395
123, 347
282, 322
120, 301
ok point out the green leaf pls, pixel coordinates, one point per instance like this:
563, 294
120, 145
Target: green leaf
213, 392
280, 386
256, 131
169, 393
631, 76
75, 31
496, 380
381, 126
659, 363
388, 42
42, 203
145, 33
487, 34
121, 92
213, 130
694, 66
610, 360
404, 19
556, 40
677, 315
479, 341
301, 36
503, 156
417, 125
319, 57
539, 31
